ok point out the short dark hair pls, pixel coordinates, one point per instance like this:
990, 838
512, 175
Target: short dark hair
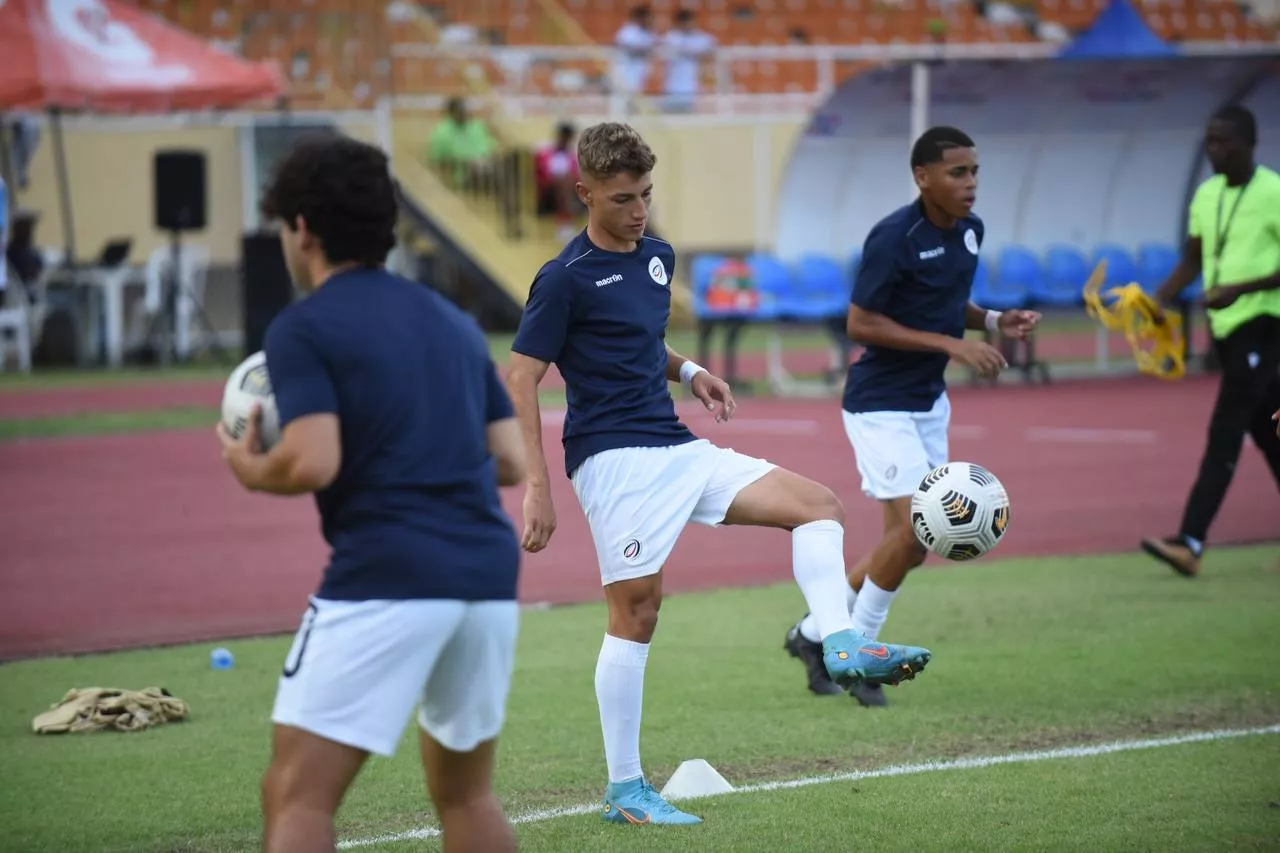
1241, 120
344, 190
935, 142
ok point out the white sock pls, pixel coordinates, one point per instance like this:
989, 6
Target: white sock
872, 608
817, 559
620, 695
809, 625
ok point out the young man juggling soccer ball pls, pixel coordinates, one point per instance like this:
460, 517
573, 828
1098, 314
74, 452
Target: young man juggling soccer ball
910, 309
599, 312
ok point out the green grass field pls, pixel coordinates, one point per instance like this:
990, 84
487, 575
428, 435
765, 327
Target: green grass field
1029, 655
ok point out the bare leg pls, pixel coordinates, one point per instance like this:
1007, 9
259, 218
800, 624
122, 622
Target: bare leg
461, 788
303, 788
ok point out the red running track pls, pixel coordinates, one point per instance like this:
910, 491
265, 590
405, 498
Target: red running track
145, 539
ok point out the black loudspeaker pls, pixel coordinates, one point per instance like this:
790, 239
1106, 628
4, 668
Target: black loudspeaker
266, 289
180, 190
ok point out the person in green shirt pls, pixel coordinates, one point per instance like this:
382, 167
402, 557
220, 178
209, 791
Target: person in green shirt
462, 144
1233, 240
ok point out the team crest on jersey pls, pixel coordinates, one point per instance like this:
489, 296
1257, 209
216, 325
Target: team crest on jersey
657, 271
971, 241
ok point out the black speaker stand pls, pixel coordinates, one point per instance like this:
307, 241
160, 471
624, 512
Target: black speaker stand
168, 315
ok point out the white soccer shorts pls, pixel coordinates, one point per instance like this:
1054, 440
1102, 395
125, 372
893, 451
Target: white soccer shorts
895, 450
637, 500
357, 669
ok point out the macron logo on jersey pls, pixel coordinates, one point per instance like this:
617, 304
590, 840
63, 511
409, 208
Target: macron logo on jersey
613, 279
933, 253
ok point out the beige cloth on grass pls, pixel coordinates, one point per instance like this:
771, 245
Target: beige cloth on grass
92, 709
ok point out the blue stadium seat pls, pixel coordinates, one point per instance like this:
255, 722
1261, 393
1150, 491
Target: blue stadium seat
819, 289
1065, 272
1121, 268
773, 280
1019, 271
1155, 262
995, 293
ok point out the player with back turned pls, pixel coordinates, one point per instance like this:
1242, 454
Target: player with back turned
393, 415
910, 308
599, 312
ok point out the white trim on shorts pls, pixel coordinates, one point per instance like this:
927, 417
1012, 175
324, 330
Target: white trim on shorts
357, 669
638, 500
895, 450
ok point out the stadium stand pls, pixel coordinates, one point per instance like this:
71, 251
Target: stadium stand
350, 54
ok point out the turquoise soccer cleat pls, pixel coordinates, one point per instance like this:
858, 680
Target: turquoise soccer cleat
852, 658
636, 802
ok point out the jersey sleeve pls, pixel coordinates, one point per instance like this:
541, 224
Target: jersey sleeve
497, 402
879, 268
547, 313
300, 378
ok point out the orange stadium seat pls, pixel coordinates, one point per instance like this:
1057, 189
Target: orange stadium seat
347, 43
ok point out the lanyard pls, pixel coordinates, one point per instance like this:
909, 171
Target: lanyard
1221, 232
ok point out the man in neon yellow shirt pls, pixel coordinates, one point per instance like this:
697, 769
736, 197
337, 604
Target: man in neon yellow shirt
1234, 241
462, 144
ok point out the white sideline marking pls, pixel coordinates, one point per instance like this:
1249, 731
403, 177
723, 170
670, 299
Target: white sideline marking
543, 815
1086, 435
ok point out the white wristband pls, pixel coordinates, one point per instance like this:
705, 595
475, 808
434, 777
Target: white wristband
688, 370
993, 320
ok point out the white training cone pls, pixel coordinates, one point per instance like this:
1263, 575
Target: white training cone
695, 778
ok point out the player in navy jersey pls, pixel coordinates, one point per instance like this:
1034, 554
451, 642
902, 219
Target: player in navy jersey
394, 416
599, 312
910, 309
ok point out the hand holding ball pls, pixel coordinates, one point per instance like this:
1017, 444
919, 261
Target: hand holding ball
250, 385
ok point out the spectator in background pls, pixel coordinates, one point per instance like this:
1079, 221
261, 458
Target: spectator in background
4, 236
556, 174
635, 42
686, 47
21, 252
463, 146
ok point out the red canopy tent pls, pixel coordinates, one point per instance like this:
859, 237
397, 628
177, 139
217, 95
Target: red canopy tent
106, 56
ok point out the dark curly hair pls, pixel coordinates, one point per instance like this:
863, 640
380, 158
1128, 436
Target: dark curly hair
344, 190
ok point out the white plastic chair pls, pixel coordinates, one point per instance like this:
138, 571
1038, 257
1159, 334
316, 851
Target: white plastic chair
15, 326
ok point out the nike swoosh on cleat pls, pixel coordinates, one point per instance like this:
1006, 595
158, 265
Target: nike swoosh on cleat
882, 652
632, 818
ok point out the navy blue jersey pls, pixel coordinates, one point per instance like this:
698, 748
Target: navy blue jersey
601, 317
920, 276
414, 511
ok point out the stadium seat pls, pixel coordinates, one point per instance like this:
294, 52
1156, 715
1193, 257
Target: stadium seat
1018, 270
1121, 268
1155, 262
773, 280
997, 293
819, 289
1065, 272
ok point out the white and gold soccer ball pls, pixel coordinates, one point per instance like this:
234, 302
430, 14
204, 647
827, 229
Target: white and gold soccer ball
960, 511
250, 383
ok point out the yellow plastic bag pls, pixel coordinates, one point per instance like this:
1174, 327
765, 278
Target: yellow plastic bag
1154, 336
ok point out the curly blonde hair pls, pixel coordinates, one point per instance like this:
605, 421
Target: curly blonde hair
611, 148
